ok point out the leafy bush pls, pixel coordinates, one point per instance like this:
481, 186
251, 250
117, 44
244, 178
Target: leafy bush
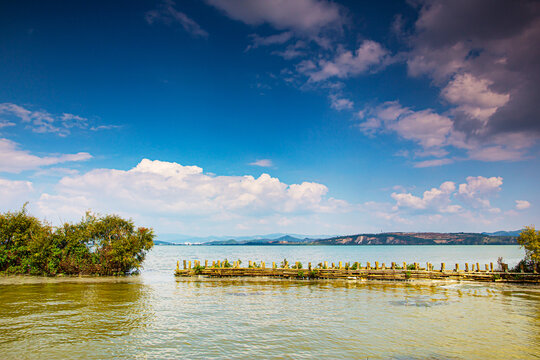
101, 245
197, 269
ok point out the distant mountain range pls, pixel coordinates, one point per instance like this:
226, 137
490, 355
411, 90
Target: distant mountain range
505, 233
395, 238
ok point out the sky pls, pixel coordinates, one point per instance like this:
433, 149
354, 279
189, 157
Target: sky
244, 117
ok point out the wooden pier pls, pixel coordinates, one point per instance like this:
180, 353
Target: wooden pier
375, 271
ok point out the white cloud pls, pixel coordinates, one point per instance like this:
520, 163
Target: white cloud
167, 14
478, 188
347, 64
522, 204
275, 39
301, 16
43, 122
262, 163
14, 193
340, 103
436, 198
167, 190
473, 96
13, 160
434, 162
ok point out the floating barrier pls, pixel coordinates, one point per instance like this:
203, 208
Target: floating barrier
355, 271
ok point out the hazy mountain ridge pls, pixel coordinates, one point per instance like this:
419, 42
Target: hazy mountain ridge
395, 238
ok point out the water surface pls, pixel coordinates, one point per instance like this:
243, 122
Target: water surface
155, 316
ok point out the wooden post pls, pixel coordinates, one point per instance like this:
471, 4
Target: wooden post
309, 266
376, 265
491, 267
457, 267
442, 267
185, 265
177, 265
415, 266
273, 264
383, 266
326, 264
521, 266
263, 266
341, 267
189, 264
478, 267
404, 265
333, 266
467, 267
368, 266
487, 268
205, 264
219, 263
393, 265
249, 263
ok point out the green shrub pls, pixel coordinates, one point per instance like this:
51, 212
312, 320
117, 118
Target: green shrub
101, 245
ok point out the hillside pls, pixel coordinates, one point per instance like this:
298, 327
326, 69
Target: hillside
383, 239
419, 239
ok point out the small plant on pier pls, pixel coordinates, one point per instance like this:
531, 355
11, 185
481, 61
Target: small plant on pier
284, 263
226, 264
410, 267
355, 266
300, 274
197, 269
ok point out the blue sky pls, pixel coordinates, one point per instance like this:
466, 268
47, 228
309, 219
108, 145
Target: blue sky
242, 117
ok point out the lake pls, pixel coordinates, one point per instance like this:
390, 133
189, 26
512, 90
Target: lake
156, 316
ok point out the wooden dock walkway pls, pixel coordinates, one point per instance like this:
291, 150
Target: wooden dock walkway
324, 270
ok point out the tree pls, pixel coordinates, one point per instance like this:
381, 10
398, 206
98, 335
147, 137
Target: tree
104, 245
529, 238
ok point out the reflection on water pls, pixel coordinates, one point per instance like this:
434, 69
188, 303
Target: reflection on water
158, 317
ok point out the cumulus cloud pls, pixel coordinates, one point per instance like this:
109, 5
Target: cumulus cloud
14, 160
436, 133
477, 189
340, 103
347, 63
468, 200
436, 198
168, 15
485, 63
159, 189
522, 204
262, 163
473, 96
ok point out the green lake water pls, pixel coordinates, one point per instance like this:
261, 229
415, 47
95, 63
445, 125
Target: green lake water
156, 316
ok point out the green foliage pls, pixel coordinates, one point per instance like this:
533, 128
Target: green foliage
297, 265
226, 264
197, 270
300, 274
313, 274
284, 263
355, 266
529, 238
408, 275
101, 245
411, 267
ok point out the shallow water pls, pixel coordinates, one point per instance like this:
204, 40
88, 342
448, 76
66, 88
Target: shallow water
156, 316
